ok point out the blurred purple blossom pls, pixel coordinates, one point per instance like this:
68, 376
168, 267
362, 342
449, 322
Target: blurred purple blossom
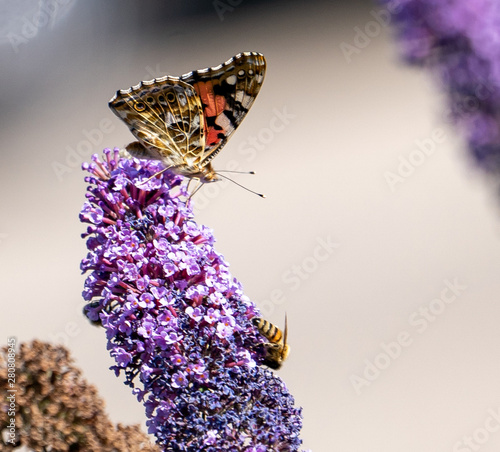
459, 40
175, 318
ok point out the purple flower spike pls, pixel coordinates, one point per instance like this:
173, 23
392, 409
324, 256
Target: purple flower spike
459, 40
177, 323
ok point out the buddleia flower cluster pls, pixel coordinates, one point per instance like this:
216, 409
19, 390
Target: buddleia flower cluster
177, 323
459, 40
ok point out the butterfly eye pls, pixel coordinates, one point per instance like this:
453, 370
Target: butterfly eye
150, 100
170, 97
161, 98
139, 106
250, 72
241, 73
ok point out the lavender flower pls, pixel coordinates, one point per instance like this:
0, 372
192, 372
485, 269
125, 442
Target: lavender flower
460, 41
175, 318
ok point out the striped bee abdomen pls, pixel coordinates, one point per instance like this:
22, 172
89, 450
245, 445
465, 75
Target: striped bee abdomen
267, 329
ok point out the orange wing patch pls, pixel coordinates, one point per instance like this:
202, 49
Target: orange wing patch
213, 107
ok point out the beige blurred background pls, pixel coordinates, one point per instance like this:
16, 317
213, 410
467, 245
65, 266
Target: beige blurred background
358, 263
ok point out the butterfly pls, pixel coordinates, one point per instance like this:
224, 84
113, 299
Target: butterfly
185, 121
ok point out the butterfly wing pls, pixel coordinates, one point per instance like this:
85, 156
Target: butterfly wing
226, 92
166, 116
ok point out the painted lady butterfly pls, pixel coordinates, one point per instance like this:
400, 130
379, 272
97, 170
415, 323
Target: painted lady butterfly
185, 121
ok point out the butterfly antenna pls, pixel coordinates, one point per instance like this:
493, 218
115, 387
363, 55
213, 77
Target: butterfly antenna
242, 186
235, 172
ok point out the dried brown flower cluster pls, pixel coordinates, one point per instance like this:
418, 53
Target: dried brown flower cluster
57, 410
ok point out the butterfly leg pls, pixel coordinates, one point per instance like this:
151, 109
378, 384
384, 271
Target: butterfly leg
157, 174
200, 184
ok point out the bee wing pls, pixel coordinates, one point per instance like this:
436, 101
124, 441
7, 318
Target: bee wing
285, 333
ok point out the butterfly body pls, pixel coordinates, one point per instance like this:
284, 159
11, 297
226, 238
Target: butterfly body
185, 121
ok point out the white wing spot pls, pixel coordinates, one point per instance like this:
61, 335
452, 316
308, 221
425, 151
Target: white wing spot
223, 121
239, 97
231, 80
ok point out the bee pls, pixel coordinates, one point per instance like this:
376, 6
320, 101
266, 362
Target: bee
276, 349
